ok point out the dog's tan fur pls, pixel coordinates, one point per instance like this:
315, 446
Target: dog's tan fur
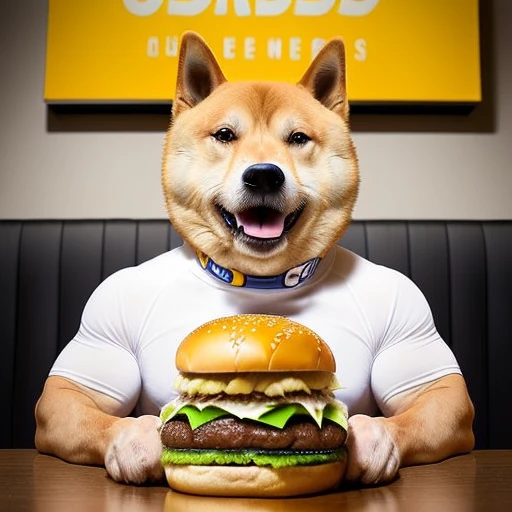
199, 172
423, 425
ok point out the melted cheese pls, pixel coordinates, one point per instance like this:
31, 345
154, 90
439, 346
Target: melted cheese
316, 405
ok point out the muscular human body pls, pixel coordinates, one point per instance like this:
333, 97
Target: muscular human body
399, 414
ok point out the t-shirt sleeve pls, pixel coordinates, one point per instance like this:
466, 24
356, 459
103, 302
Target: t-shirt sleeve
102, 356
411, 352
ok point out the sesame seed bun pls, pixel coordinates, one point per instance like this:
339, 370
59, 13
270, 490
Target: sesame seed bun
253, 343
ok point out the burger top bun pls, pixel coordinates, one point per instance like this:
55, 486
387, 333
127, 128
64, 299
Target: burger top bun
253, 343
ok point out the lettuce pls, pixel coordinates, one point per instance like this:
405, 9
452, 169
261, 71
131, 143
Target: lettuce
275, 415
274, 459
196, 418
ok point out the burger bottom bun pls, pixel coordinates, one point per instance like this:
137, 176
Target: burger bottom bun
255, 481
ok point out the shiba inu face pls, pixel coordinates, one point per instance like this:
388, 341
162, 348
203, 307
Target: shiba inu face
259, 176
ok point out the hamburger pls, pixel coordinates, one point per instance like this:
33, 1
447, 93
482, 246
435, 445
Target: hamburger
255, 413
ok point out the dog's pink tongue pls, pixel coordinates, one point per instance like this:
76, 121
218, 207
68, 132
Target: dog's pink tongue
259, 225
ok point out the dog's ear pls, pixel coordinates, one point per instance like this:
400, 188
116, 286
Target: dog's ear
325, 77
198, 73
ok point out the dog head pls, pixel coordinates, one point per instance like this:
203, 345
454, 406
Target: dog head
260, 176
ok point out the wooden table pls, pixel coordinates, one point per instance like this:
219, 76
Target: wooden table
481, 480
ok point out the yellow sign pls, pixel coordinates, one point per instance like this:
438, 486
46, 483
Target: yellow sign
108, 51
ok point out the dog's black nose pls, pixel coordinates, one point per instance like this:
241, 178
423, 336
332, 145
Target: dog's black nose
264, 178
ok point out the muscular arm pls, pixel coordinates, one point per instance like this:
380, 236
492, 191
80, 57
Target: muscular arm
432, 422
83, 426
74, 422
425, 425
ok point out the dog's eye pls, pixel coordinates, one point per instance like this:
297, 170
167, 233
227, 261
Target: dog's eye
298, 138
224, 135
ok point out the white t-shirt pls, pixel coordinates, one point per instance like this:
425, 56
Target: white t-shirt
375, 320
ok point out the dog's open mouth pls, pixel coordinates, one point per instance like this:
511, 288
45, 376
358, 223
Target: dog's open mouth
260, 225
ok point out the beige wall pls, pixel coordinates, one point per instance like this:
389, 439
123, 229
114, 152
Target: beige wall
412, 167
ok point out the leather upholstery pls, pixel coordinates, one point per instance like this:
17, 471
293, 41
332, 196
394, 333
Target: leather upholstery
48, 269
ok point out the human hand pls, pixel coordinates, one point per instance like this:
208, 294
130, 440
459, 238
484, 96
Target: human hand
133, 454
373, 457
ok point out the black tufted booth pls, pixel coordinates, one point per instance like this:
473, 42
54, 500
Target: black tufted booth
49, 268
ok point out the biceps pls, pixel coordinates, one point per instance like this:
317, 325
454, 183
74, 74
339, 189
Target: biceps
450, 389
59, 391
104, 369
407, 367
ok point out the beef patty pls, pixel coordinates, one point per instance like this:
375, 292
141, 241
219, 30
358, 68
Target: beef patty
225, 433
